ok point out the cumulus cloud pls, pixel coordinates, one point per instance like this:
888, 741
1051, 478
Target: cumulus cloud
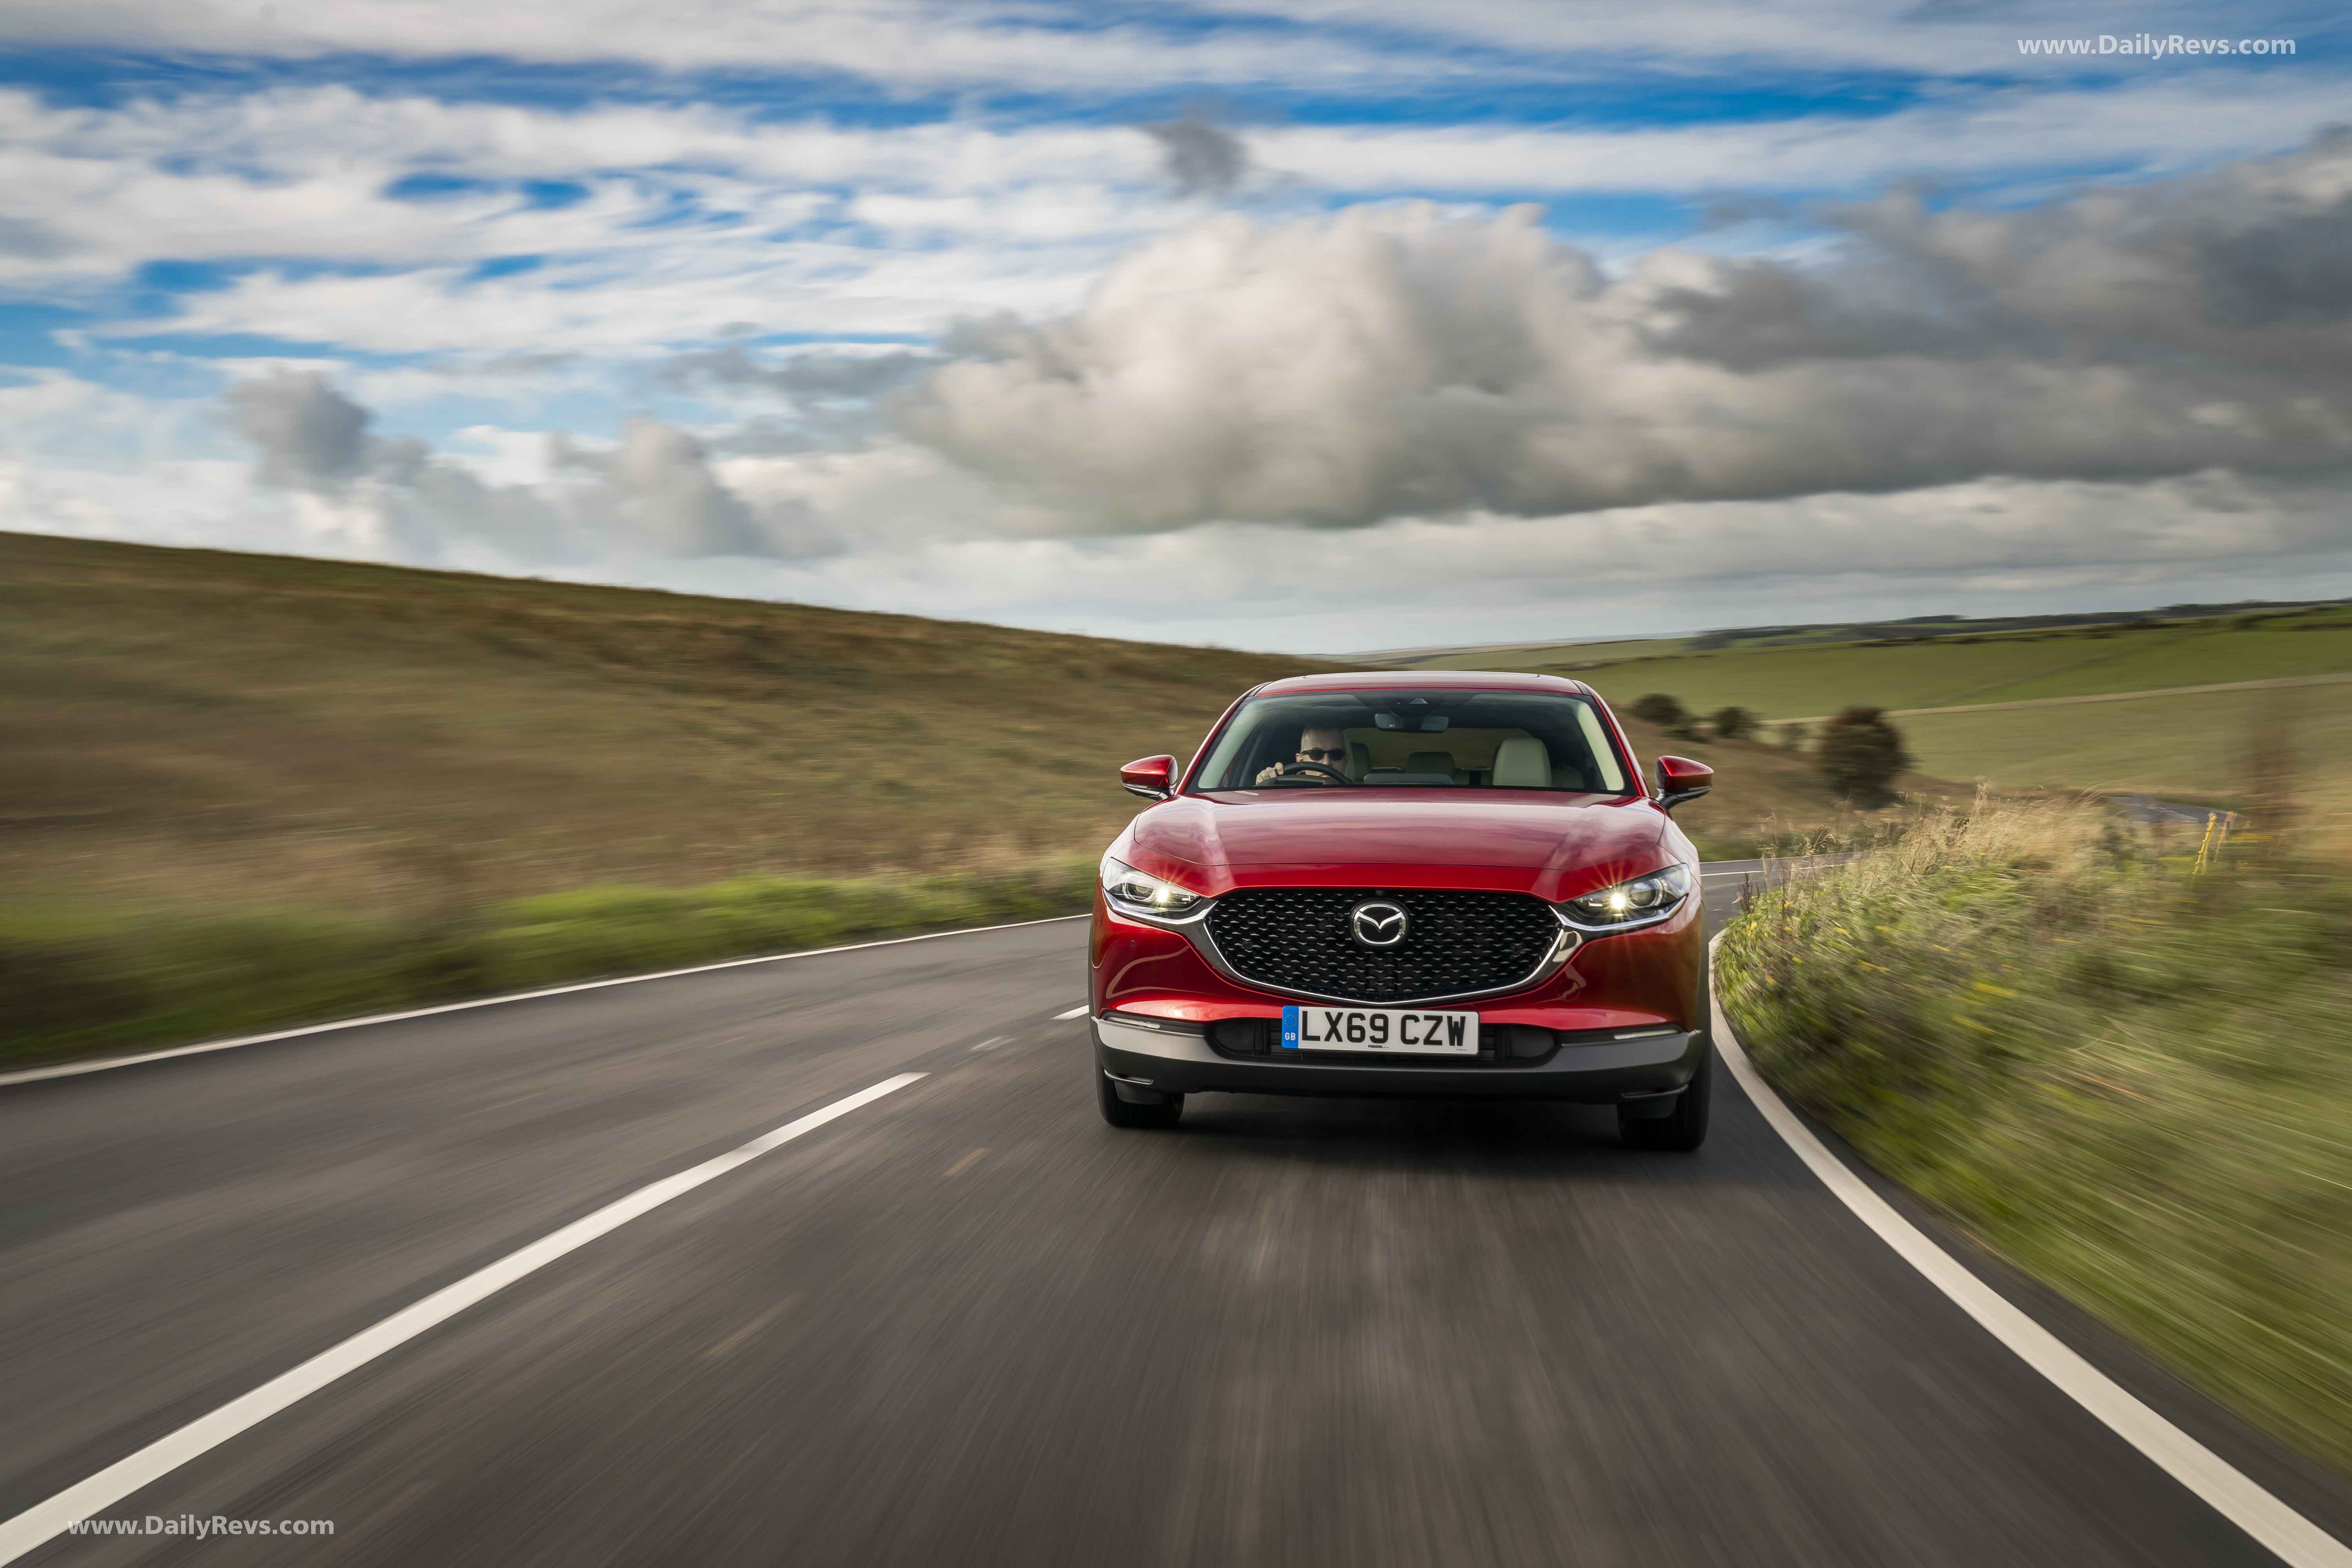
308, 436
1405, 362
1199, 156
654, 491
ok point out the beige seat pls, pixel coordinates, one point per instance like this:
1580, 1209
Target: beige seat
1433, 762
1522, 763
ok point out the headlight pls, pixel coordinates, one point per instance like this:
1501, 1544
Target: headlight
1125, 886
1642, 901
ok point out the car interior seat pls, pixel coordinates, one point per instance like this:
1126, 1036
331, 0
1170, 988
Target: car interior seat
1522, 763
1433, 762
1359, 759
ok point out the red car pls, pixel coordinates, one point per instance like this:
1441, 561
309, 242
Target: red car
1445, 884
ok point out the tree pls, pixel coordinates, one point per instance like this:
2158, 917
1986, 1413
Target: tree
1734, 724
1792, 736
1861, 755
1658, 707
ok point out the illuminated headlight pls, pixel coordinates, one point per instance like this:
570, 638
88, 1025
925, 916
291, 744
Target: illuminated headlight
1641, 902
1128, 888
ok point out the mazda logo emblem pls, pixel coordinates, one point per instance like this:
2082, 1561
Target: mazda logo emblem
1378, 923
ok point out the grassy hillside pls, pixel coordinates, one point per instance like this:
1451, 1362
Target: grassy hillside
248, 791
2184, 744
1527, 655
2190, 746
1940, 672
196, 724
199, 725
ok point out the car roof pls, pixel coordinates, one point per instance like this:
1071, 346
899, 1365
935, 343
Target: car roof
1433, 680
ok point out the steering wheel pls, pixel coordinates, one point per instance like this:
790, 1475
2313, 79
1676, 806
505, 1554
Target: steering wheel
1301, 770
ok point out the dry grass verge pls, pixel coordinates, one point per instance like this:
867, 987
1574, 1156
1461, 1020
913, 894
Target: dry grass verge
2131, 1080
97, 977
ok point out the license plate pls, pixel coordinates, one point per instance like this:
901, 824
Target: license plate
1380, 1029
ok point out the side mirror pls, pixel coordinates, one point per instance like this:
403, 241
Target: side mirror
1153, 778
1680, 779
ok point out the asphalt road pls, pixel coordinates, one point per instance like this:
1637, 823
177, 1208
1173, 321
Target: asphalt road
971, 1324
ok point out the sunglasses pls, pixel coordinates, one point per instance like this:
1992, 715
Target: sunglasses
1334, 754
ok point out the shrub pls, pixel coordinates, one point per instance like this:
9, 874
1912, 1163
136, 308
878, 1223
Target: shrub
1791, 736
1861, 755
1734, 724
1658, 707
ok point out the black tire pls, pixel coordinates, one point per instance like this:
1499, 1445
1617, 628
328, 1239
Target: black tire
1119, 1113
1682, 1128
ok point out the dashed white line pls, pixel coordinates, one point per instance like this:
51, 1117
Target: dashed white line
45, 1520
991, 1042
1077, 1012
2223, 1487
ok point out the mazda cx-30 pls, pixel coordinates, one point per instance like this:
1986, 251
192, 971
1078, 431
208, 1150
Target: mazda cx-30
1443, 884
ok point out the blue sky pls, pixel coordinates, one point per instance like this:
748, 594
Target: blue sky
909, 306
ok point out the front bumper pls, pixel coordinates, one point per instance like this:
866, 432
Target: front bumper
1175, 1059
1627, 981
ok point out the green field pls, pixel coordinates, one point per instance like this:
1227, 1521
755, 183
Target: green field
2178, 744
1939, 671
1527, 655
2192, 746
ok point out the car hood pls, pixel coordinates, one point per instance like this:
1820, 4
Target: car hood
1554, 846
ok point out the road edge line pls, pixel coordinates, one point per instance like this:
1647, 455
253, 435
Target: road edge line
45, 1520
104, 1063
2224, 1487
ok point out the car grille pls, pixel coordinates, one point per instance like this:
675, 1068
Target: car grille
1298, 939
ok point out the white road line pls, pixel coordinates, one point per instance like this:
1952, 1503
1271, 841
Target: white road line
44, 1522
68, 1070
991, 1042
1077, 1012
2228, 1490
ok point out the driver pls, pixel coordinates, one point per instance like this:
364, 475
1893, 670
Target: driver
1326, 748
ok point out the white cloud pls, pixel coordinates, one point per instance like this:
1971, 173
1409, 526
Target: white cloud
1400, 361
689, 217
1392, 45
53, 415
937, 44
909, 532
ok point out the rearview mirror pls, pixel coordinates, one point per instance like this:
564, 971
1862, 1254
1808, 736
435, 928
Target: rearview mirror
1153, 778
1680, 779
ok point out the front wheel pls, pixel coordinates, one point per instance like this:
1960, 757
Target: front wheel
1119, 1113
1682, 1128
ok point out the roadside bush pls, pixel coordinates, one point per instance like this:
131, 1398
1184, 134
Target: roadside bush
2130, 1081
1862, 755
1792, 737
1660, 709
1733, 724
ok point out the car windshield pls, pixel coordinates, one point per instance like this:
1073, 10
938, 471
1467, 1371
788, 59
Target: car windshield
1416, 740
